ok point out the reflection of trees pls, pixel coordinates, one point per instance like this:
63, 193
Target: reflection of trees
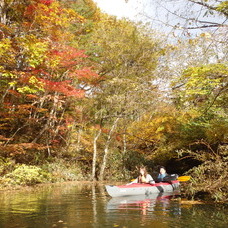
71, 203
85, 205
165, 212
208, 215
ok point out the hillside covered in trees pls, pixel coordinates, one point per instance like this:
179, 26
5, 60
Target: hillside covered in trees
87, 96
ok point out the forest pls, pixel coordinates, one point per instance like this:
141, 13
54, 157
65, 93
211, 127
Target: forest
87, 96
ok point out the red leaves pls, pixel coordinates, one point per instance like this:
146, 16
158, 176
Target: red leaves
30, 10
62, 87
13, 92
68, 56
88, 76
13, 150
42, 82
46, 2
31, 96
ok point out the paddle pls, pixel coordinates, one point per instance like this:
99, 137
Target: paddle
183, 178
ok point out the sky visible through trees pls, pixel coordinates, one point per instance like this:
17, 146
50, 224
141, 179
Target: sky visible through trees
176, 17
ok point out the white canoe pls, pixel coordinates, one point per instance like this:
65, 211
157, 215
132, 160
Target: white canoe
141, 189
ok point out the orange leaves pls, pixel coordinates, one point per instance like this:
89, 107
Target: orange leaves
14, 92
88, 76
46, 2
3, 138
50, 16
67, 56
153, 132
16, 149
41, 74
63, 87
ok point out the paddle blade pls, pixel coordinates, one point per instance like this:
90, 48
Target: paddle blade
183, 178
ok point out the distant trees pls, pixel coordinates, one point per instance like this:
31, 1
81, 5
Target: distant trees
126, 57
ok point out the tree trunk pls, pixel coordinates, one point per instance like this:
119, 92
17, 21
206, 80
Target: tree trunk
106, 151
124, 144
95, 155
78, 144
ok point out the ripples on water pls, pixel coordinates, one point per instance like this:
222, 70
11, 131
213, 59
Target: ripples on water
83, 205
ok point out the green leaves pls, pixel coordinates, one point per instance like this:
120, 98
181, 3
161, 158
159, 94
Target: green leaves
204, 86
223, 7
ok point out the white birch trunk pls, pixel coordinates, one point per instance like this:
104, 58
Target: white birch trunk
106, 151
95, 154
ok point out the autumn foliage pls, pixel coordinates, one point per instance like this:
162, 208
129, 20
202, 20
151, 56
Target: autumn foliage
41, 74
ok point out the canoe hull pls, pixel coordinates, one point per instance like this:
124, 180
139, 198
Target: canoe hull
141, 189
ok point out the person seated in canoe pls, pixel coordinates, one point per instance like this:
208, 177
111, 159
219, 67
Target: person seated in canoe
144, 177
162, 176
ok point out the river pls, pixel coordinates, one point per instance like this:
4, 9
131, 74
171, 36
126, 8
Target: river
75, 204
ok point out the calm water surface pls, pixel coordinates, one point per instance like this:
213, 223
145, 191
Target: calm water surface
83, 205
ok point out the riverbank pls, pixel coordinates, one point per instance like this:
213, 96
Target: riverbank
19, 176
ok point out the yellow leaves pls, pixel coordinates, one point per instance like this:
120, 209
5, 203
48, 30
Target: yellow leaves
201, 83
7, 53
52, 63
223, 7
26, 89
160, 129
36, 83
192, 41
154, 129
8, 74
34, 86
37, 53
205, 35
34, 49
54, 17
12, 84
5, 45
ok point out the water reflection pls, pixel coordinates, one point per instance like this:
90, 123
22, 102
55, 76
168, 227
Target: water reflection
141, 202
73, 205
149, 207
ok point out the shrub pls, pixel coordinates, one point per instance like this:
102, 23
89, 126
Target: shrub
211, 177
61, 170
6, 165
27, 175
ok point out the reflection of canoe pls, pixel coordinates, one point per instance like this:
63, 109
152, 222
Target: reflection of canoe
131, 201
141, 189
138, 198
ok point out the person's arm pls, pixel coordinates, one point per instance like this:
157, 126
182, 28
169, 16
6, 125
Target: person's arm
149, 179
